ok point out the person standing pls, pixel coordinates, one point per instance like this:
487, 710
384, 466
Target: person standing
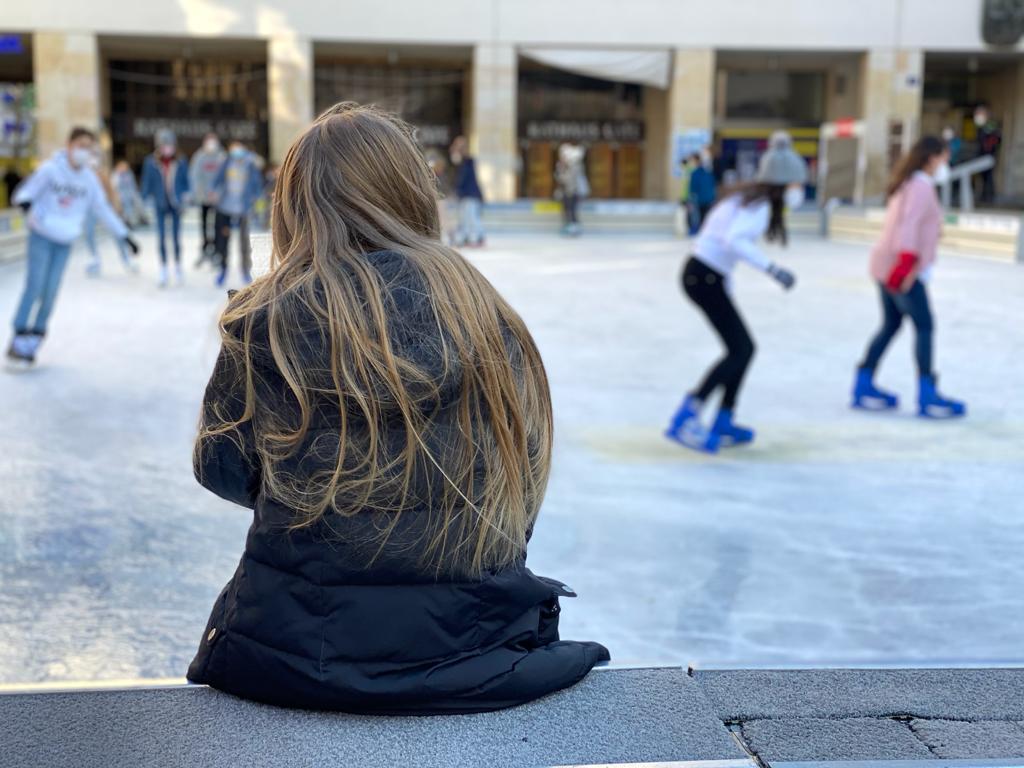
470, 231
902, 263
122, 180
683, 215
571, 178
730, 234
165, 182
203, 171
57, 198
236, 188
990, 138
703, 189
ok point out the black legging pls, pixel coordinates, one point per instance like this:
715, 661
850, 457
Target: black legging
896, 306
706, 288
207, 214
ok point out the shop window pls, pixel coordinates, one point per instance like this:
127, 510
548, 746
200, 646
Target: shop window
430, 98
790, 97
191, 98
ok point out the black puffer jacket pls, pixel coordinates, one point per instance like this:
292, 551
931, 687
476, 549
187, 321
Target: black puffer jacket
305, 622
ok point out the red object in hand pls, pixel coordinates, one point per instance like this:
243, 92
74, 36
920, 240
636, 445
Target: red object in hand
905, 264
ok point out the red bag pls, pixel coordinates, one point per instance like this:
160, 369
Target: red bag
905, 264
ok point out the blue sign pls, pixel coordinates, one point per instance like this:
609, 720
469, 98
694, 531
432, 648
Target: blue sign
11, 44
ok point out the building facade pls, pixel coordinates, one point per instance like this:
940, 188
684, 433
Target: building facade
640, 84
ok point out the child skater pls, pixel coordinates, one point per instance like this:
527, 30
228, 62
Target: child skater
57, 197
902, 264
729, 234
386, 415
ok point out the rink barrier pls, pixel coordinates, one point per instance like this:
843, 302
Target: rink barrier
992, 235
12, 234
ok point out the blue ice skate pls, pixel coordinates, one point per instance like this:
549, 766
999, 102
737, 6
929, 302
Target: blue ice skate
729, 434
685, 427
868, 397
932, 405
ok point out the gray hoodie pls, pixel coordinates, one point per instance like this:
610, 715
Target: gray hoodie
203, 171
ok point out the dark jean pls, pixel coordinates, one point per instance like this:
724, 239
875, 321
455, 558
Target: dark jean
223, 224
46, 262
161, 228
706, 288
895, 306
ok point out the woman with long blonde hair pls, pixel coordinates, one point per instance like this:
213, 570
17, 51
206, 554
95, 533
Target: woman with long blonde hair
386, 415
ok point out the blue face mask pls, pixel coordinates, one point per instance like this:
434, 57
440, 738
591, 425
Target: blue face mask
237, 152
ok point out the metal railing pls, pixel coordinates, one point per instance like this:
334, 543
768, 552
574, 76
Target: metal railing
963, 172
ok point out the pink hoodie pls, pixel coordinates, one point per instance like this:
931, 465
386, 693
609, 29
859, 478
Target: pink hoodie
913, 222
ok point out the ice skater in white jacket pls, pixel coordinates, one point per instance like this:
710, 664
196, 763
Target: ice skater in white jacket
57, 198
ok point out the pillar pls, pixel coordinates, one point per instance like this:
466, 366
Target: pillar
892, 86
66, 72
289, 90
492, 120
690, 110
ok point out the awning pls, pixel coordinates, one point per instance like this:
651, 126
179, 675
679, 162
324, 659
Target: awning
644, 67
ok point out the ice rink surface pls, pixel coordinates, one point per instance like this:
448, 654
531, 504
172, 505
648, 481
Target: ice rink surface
838, 537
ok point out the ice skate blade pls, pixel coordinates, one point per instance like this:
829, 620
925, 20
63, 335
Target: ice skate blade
18, 366
873, 405
700, 444
731, 442
942, 414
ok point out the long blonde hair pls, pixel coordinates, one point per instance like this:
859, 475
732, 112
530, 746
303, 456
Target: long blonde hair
355, 184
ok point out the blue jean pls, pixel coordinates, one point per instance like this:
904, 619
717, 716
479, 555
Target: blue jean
46, 262
90, 235
470, 229
161, 225
895, 306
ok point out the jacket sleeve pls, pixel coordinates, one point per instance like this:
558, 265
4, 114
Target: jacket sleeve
30, 188
184, 181
226, 464
147, 190
255, 186
912, 215
217, 185
747, 227
102, 208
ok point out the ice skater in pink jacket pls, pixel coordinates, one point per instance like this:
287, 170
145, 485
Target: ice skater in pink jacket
902, 263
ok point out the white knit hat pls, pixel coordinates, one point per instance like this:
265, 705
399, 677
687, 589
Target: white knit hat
781, 164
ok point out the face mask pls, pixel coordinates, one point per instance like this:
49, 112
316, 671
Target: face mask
941, 174
210, 145
167, 150
794, 197
80, 157
947, 136
980, 118
237, 152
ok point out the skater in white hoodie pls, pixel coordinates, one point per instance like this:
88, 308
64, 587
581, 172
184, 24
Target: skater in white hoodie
57, 198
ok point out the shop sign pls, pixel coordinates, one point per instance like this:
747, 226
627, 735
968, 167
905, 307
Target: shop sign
11, 45
584, 130
196, 128
1002, 21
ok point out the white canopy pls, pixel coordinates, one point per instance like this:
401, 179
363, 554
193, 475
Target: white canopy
624, 66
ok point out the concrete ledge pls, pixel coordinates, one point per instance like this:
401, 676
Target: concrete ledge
613, 716
825, 718
956, 694
809, 739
